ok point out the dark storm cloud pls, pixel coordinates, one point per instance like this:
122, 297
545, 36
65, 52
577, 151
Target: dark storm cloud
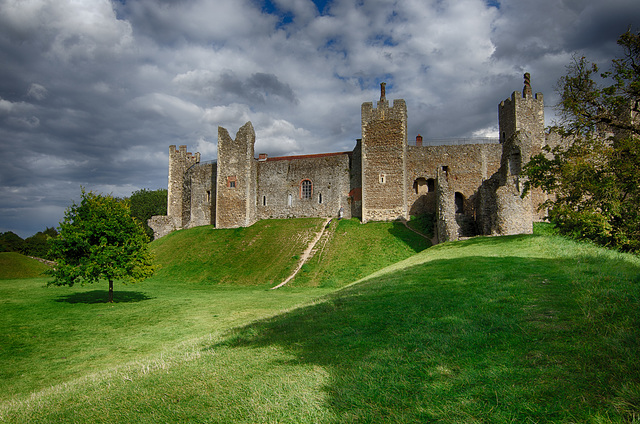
93, 92
258, 88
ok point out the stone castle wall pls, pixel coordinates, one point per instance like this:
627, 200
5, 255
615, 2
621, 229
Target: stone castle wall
280, 186
384, 147
179, 161
472, 188
467, 165
236, 178
199, 195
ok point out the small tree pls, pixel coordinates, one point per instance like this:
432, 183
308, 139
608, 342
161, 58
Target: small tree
594, 176
99, 239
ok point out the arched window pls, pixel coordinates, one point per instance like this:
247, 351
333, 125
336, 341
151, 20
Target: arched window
306, 189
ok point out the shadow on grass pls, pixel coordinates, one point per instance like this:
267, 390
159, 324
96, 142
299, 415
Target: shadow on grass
474, 339
416, 242
102, 296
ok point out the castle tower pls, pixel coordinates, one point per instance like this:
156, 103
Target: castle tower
384, 150
178, 205
523, 112
521, 122
236, 178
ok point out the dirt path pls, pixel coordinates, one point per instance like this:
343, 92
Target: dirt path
306, 254
433, 240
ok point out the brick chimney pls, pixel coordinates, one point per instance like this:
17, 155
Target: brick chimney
418, 140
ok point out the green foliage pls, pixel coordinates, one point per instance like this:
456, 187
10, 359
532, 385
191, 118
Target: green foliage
14, 265
147, 203
594, 176
99, 239
11, 242
38, 244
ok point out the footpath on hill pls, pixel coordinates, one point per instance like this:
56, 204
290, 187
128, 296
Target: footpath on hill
318, 243
307, 254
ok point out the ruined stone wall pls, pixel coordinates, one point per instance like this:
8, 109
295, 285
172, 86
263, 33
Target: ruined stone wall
466, 165
179, 161
161, 225
199, 187
501, 209
280, 186
446, 225
236, 178
384, 146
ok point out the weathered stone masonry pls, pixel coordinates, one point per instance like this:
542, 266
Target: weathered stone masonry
471, 188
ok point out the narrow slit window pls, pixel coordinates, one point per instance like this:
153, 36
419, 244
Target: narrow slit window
264, 200
459, 202
319, 197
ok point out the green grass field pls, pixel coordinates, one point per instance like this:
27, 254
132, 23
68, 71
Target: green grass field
510, 329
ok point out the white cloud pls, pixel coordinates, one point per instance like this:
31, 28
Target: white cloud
168, 106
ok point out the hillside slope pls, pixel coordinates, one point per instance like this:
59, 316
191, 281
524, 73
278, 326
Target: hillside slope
268, 251
14, 265
508, 329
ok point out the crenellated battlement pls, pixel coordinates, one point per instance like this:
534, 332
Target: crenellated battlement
523, 112
517, 96
182, 154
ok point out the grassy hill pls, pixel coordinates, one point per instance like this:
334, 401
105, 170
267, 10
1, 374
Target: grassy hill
510, 329
267, 252
14, 265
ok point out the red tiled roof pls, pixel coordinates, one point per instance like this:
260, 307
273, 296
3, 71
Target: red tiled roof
319, 155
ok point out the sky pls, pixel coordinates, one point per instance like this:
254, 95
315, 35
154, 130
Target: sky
93, 92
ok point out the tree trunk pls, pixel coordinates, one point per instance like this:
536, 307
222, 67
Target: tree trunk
110, 291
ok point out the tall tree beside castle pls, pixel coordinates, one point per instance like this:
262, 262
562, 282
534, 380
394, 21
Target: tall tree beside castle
595, 174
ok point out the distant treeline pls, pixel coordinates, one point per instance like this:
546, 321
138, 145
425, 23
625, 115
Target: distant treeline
36, 245
143, 203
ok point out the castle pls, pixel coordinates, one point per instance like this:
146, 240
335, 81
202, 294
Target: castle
473, 189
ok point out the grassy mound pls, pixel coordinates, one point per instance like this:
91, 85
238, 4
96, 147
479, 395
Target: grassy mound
352, 251
263, 254
505, 329
14, 265
267, 252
